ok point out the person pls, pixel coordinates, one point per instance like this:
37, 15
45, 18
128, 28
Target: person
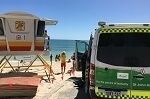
63, 62
56, 58
51, 58
68, 61
73, 64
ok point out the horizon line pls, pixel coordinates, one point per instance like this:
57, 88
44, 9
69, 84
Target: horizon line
65, 39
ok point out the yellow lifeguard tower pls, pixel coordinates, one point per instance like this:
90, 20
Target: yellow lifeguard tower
23, 34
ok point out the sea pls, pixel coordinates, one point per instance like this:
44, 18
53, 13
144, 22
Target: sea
58, 46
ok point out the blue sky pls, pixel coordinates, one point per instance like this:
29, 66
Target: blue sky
77, 19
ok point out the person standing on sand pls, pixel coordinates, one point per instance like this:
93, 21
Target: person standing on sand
56, 58
73, 64
63, 62
51, 58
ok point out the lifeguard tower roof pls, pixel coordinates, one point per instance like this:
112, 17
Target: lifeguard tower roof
18, 14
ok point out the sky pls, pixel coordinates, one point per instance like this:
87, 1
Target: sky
77, 19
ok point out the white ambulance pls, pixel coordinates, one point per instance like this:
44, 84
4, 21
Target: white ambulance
120, 62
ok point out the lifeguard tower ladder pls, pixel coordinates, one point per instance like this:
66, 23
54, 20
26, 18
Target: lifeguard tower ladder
24, 34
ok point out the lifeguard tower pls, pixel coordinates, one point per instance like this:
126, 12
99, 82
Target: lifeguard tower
23, 34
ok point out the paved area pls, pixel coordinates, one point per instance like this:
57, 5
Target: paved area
70, 89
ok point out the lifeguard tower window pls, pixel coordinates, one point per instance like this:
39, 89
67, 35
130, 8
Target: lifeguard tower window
1, 28
41, 28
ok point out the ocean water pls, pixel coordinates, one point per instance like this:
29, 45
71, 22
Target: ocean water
58, 46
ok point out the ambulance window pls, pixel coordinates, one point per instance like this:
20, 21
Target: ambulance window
41, 28
1, 28
124, 49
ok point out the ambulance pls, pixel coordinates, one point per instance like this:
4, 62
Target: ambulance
119, 62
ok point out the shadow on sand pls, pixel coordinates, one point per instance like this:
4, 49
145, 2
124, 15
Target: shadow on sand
80, 86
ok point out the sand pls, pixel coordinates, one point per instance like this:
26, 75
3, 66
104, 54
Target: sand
45, 88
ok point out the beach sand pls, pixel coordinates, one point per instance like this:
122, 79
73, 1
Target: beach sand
45, 89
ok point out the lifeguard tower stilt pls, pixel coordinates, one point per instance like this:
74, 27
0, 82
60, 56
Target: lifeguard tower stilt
47, 67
